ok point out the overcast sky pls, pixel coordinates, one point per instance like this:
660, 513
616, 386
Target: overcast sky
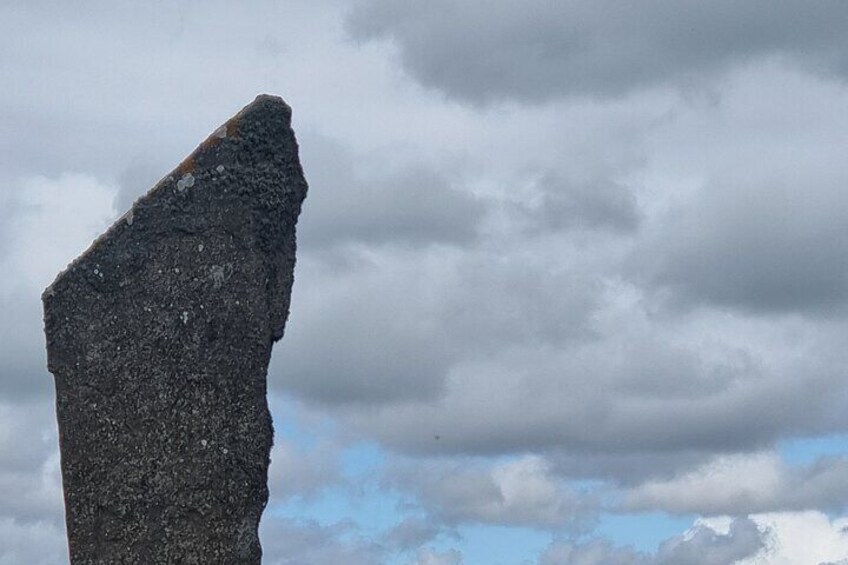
572, 280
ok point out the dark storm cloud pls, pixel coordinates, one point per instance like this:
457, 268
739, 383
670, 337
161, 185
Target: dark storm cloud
534, 51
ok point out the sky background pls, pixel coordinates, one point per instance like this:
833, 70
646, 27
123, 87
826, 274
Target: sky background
572, 279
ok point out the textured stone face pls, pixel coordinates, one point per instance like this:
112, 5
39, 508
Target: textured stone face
159, 338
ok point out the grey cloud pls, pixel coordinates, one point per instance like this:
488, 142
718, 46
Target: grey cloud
628, 391
626, 468
305, 542
137, 179
702, 546
706, 547
536, 51
598, 205
767, 244
431, 557
33, 543
401, 320
23, 374
8, 210
27, 433
362, 199
30, 483
412, 533
54, 219
380, 346
594, 552
561, 205
516, 493
32, 525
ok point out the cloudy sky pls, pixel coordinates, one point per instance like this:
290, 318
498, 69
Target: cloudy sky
572, 281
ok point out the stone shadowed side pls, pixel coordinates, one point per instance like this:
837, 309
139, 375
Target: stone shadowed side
159, 338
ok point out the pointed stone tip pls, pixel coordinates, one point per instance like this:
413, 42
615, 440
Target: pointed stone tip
264, 108
266, 102
270, 98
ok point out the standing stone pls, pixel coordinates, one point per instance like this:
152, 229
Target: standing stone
159, 338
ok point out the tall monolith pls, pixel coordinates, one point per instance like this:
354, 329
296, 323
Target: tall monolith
159, 337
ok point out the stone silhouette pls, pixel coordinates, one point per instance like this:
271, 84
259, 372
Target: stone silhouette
159, 338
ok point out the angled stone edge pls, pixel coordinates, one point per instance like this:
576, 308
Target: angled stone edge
159, 337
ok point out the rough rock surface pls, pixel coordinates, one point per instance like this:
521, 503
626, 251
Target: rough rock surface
159, 338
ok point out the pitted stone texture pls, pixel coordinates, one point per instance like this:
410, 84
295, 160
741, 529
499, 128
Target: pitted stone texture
159, 338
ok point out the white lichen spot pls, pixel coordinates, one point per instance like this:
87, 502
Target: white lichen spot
186, 182
203, 442
221, 132
218, 276
184, 317
200, 247
220, 168
225, 450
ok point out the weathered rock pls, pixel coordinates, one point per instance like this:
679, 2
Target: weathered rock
159, 338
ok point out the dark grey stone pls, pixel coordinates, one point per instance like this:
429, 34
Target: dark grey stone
159, 338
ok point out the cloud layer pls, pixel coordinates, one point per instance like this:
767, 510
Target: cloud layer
540, 50
559, 262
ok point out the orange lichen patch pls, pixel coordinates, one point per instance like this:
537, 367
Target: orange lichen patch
229, 129
232, 127
187, 165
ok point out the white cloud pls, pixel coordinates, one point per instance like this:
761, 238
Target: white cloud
802, 537
302, 471
54, 220
747, 483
